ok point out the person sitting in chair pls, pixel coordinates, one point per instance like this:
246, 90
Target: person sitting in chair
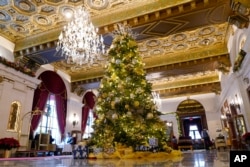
70, 139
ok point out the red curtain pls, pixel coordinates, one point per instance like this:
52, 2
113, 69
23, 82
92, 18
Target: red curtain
39, 102
89, 103
51, 83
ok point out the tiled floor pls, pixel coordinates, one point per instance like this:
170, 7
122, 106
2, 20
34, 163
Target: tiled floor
197, 158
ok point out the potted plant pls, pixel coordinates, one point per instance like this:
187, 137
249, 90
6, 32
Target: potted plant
7, 144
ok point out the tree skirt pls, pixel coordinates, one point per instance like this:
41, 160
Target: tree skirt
123, 154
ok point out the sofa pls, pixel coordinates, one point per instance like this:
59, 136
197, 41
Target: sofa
185, 142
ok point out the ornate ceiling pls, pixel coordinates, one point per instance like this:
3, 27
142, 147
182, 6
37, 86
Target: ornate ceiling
183, 42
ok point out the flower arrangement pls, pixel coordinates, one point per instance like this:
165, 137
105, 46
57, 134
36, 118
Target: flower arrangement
18, 67
9, 143
246, 137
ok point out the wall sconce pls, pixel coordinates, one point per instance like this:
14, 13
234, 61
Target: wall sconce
75, 120
223, 117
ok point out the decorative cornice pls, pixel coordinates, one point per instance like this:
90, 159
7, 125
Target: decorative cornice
184, 81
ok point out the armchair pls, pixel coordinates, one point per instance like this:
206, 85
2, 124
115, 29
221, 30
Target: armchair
185, 142
220, 142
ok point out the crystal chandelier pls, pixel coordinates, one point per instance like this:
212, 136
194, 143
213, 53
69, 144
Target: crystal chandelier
79, 40
156, 99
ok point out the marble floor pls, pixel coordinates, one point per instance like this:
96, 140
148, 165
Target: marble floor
196, 158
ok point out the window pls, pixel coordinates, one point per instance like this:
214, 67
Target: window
89, 125
49, 120
193, 132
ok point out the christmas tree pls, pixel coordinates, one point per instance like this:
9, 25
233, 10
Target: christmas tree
126, 112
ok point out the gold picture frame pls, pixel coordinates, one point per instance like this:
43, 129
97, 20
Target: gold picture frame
13, 121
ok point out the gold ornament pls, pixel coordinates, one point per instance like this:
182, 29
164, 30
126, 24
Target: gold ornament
150, 115
127, 106
136, 103
104, 95
112, 104
115, 116
129, 114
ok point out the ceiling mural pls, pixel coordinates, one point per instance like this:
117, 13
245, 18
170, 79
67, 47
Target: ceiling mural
182, 42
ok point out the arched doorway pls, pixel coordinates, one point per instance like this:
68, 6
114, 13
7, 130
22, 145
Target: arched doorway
191, 113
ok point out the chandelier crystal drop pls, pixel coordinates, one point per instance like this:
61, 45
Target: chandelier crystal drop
79, 40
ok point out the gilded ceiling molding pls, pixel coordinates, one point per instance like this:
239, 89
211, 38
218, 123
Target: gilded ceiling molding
190, 90
184, 56
158, 62
33, 31
183, 81
240, 14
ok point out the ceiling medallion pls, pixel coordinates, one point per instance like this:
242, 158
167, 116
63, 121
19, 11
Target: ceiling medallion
24, 5
206, 42
18, 28
156, 52
180, 47
98, 5
68, 12
207, 30
42, 20
76, 68
153, 43
179, 37
4, 16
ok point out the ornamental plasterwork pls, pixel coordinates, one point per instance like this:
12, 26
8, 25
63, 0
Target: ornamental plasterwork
198, 39
210, 38
185, 80
23, 18
185, 77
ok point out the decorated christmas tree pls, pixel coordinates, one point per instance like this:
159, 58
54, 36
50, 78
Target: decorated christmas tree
126, 112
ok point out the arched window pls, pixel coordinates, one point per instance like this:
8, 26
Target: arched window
51, 90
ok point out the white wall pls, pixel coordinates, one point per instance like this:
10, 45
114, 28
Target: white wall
6, 49
15, 86
235, 83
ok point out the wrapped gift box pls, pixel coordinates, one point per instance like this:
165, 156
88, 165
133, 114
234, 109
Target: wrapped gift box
153, 142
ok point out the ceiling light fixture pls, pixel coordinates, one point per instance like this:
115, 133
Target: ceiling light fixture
79, 41
156, 99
